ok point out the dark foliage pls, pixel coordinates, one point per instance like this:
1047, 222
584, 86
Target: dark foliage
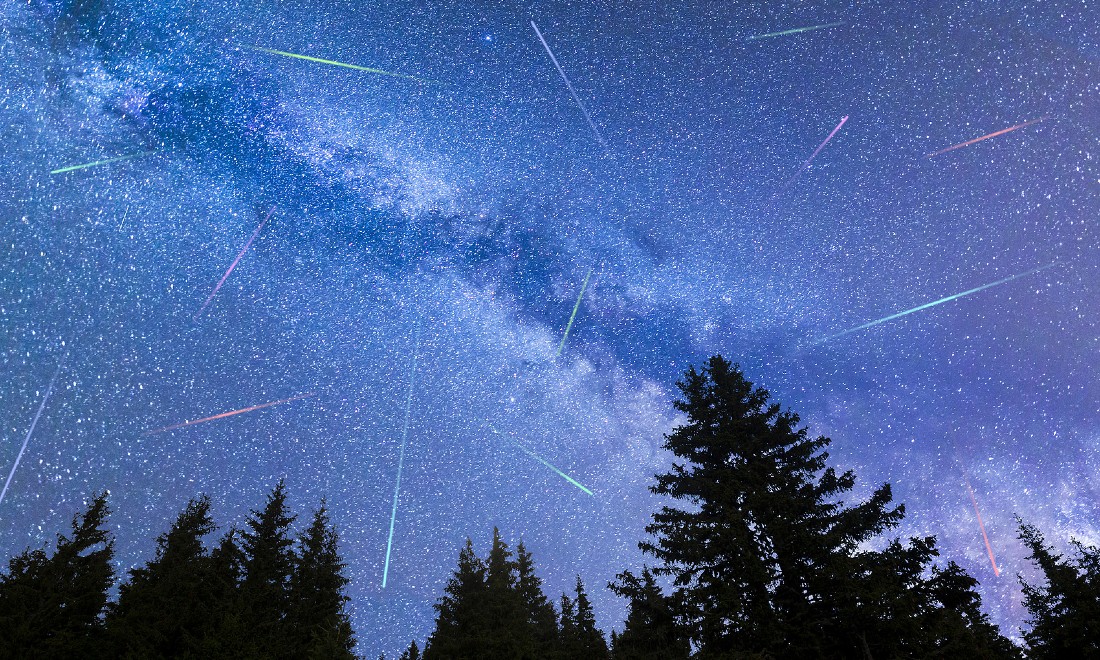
1065, 614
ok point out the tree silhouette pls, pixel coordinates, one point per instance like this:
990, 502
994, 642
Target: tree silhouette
52, 606
1064, 615
650, 631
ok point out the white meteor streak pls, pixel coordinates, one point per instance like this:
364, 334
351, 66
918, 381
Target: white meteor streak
569, 85
401, 460
27, 439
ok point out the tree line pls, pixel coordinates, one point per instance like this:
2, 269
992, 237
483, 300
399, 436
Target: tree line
757, 554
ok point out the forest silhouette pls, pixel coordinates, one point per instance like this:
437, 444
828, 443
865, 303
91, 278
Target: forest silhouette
757, 553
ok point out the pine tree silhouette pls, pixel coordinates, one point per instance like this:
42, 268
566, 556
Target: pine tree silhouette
650, 631
542, 621
268, 565
316, 621
52, 606
580, 639
461, 625
766, 558
1065, 614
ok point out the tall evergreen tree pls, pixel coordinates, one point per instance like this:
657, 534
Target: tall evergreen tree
52, 606
461, 625
169, 605
541, 618
580, 639
316, 622
509, 637
227, 635
650, 631
268, 565
1065, 614
411, 653
765, 556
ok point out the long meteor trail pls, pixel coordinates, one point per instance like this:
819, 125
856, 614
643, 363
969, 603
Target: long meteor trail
793, 31
41, 407
574, 315
401, 459
938, 302
988, 547
568, 84
805, 165
986, 137
542, 460
343, 64
100, 162
229, 414
233, 265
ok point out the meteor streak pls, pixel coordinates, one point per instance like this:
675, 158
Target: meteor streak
568, 84
986, 137
940, 301
343, 64
794, 31
988, 547
19, 457
574, 316
809, 160
542, 460
233, 265
229, 414
101, 162
401, 460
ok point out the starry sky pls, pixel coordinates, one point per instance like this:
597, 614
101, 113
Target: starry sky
450, 219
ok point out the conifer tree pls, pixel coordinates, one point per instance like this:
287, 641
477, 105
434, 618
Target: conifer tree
650, 631
227, 636
316, 622
580, 639
766, 558
541, 618
509, 636
411, 653
268, 565
1065, 614
169, 605
461, 625
52, 606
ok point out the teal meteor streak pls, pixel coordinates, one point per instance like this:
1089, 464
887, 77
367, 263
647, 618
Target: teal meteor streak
575, 308
100, 162
938, 302
401, 460
343, 64
794, 31
542, 460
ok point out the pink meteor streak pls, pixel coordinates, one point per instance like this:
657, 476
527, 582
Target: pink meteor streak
233, 265
988, 547
809, 160
229, 414
986, 137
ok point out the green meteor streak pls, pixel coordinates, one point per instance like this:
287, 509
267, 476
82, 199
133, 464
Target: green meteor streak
343, 64
574, 316
100, 162
794, 31
401, 460
938, 302
563, 475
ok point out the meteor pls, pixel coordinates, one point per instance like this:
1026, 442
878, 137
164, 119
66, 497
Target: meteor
938, 302
101, 162
401, 460
574, 316
343, 64
568, 84
542, 460
229, 414
41, 407
233, 265
986, 137
988, 547
794, 31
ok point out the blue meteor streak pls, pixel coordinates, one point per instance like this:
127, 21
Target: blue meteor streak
563, 475
937, 302
401, 460
27, 439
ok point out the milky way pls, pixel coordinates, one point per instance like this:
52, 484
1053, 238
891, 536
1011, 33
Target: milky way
467, 195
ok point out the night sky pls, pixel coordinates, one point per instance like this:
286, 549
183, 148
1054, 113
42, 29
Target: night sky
451, 219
